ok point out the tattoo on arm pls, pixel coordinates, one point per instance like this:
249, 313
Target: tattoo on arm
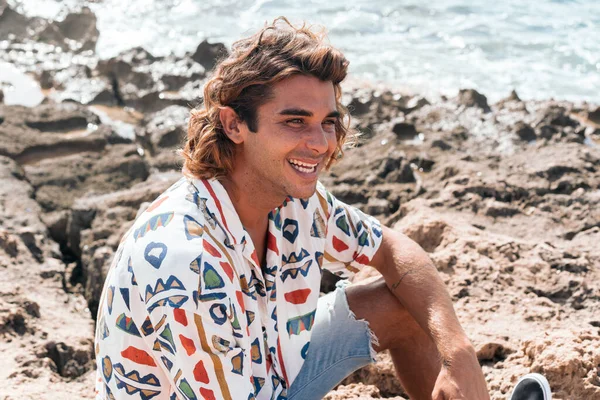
395, 285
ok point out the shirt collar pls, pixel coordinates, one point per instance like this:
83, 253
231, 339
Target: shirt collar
221, 206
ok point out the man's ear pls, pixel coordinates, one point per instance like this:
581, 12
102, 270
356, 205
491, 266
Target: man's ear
233, 126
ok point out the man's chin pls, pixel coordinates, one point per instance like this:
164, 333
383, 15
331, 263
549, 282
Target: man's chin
305, 192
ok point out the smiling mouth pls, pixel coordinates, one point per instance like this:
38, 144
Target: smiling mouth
303, 167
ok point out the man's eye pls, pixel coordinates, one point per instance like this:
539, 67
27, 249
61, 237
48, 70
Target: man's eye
294, 121
329, 122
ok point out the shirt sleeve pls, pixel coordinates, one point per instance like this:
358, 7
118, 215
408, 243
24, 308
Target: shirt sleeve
352, 237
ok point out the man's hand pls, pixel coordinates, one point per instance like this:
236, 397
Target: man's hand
461, 378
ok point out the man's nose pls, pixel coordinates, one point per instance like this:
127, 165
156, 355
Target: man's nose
318, 141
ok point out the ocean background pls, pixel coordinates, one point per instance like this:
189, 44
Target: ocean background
542, 49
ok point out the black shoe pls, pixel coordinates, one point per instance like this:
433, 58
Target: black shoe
532, 387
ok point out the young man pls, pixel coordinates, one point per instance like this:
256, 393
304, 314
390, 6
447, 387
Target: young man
214, 291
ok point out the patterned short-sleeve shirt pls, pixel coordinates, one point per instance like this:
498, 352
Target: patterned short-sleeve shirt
187, 312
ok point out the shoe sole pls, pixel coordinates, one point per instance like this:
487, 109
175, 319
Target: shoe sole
541, 379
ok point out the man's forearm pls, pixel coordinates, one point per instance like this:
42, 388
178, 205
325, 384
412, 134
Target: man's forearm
412, 277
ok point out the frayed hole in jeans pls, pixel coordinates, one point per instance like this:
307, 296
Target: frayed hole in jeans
374, 341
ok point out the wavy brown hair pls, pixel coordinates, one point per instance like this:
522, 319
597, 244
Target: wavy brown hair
243, 82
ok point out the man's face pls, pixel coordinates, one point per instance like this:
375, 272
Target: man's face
294, 140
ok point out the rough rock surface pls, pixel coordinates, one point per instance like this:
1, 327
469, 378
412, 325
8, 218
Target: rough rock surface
512, 226
46, 334
504, 197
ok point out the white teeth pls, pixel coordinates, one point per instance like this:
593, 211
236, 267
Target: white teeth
302, 164
305, 170
303, 167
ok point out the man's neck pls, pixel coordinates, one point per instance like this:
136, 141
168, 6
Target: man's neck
250, 204
253, 209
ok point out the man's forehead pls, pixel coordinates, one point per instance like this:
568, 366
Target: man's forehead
312, 98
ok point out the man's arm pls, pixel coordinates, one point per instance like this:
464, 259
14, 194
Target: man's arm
413, 278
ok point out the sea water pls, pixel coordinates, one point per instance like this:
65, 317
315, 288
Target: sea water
542, 48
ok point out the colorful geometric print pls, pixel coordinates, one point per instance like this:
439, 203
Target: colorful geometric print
212, 279
318, 228
138, 356
193, 228
258, 384
155, 253
103, 328
226, 344
319, 259
218, 366
271, 272
125, 295
130, 270
207, 394
272, 243
147, 327
174, 301
155, 222
272, 288
255, 352
363, 239
221, 344
208, 297
160, 287
188, 345
168, 363
227, 269
305, 203
110, 298
246, 288
180, 316
297, 296
274, 317
293, 272
218, 313
186, 390
304, 351
290, 230
107, 368
168, 343
237, 363
133, 383
235, 323
195, 264
250, 315
276, 381
134, 376
127, 325
200, 374
275, 216
339, 245
109, 394
301, 323
294, 258
341, 222
209, 216
257, 284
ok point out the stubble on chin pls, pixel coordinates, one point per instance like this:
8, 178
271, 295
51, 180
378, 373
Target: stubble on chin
307, 193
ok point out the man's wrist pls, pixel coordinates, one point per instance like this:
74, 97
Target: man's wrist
459, 350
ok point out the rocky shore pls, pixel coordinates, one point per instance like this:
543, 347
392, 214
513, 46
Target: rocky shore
505, 197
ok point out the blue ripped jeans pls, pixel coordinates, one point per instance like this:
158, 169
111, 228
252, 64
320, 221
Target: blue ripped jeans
339, 345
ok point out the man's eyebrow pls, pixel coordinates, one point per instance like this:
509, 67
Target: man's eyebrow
305, 113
